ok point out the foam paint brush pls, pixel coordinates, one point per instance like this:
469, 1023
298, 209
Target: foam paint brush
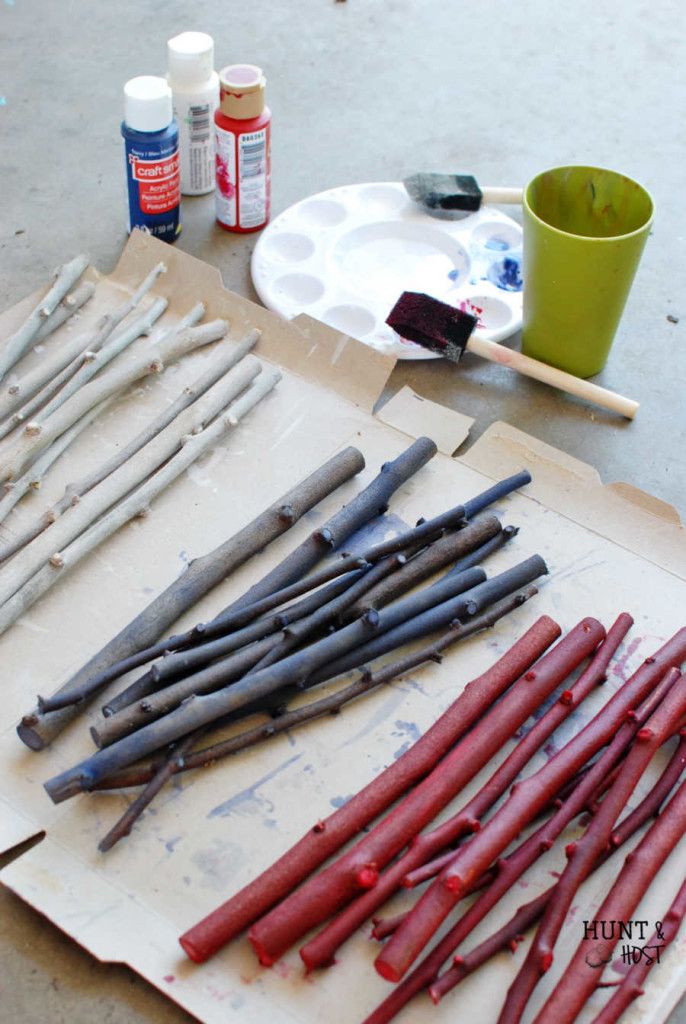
448, 331
454, 195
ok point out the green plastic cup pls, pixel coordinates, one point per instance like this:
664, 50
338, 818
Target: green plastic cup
584, 232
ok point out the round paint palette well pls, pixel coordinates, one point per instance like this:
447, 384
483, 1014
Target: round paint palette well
346, 255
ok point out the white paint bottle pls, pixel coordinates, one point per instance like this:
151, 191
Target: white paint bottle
195, 92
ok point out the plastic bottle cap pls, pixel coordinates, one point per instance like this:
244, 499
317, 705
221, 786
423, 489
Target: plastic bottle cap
241, 91
147, 104
190, 59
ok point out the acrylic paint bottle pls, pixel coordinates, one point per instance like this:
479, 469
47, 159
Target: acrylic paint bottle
242, 138
151, 140
195, 95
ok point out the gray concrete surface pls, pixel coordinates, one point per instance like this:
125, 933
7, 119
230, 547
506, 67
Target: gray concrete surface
363, 90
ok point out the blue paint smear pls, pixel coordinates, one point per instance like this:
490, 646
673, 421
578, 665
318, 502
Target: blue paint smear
233, 804
380, 715
388, 525
3, 101
507, 274
401, 750
499, 244
171, 843
454, 274
340, 801
408, 729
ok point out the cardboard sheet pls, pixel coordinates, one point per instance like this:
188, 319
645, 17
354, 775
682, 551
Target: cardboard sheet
608, 549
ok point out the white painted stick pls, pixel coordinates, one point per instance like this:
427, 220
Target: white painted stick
501, 194
69, 305
135, 504
17, 453
567, 382
113, 489
227, 357
95, 361
33, 477
17, 344
54, 368
52, 383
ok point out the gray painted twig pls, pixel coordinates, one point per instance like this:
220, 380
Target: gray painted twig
183, 662
226, 357
200, 576
154, 774
237, 617
17, 344
293, 670
247, 661
32, 478
48, 380
136, 503
425, 621
370, 502
439, 554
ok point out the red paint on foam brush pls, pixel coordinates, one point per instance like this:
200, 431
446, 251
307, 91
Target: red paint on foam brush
432, 324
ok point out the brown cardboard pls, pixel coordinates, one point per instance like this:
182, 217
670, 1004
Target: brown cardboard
608, 548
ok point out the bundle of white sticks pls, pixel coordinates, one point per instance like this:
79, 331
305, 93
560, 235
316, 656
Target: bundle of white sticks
44, 409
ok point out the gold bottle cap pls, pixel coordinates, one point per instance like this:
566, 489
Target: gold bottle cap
241, 91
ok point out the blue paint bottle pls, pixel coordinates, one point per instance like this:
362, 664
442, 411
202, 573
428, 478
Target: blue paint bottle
151, 139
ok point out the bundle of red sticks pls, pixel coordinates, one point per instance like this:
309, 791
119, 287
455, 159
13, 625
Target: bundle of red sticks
594, 773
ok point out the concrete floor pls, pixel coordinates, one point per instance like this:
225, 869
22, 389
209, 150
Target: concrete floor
361, 91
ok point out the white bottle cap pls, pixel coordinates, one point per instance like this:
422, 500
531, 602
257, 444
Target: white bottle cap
190, 59
147, 104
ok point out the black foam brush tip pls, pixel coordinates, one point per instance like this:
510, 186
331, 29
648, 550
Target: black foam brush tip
431, 323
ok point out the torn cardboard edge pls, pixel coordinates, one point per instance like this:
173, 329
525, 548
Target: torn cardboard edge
619, 512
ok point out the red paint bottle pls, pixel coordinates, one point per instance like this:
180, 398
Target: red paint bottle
243, 162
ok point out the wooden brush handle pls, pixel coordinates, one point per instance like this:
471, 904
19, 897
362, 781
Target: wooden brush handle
496, 353
501, 195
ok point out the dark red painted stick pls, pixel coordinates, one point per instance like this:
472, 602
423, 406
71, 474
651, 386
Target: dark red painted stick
232, 917
583, 854
513, 930
320, 950
526, 800
358, 869
631, 986
579, 980
517, 862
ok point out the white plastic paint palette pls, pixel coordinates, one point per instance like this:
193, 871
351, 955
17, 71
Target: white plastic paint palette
346, 255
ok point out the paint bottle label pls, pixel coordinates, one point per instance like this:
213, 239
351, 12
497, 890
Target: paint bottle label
154, 186
225, 192
197, 150
242, 172
252, 178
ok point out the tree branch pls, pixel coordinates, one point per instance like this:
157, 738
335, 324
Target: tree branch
368, 680
407, 869
226, 357
19, 570
200, 576
235, 618
52, 363
17, 344
32, 478
136, 503
582, 854
317, 845
48, 383
336, 886
579, 981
